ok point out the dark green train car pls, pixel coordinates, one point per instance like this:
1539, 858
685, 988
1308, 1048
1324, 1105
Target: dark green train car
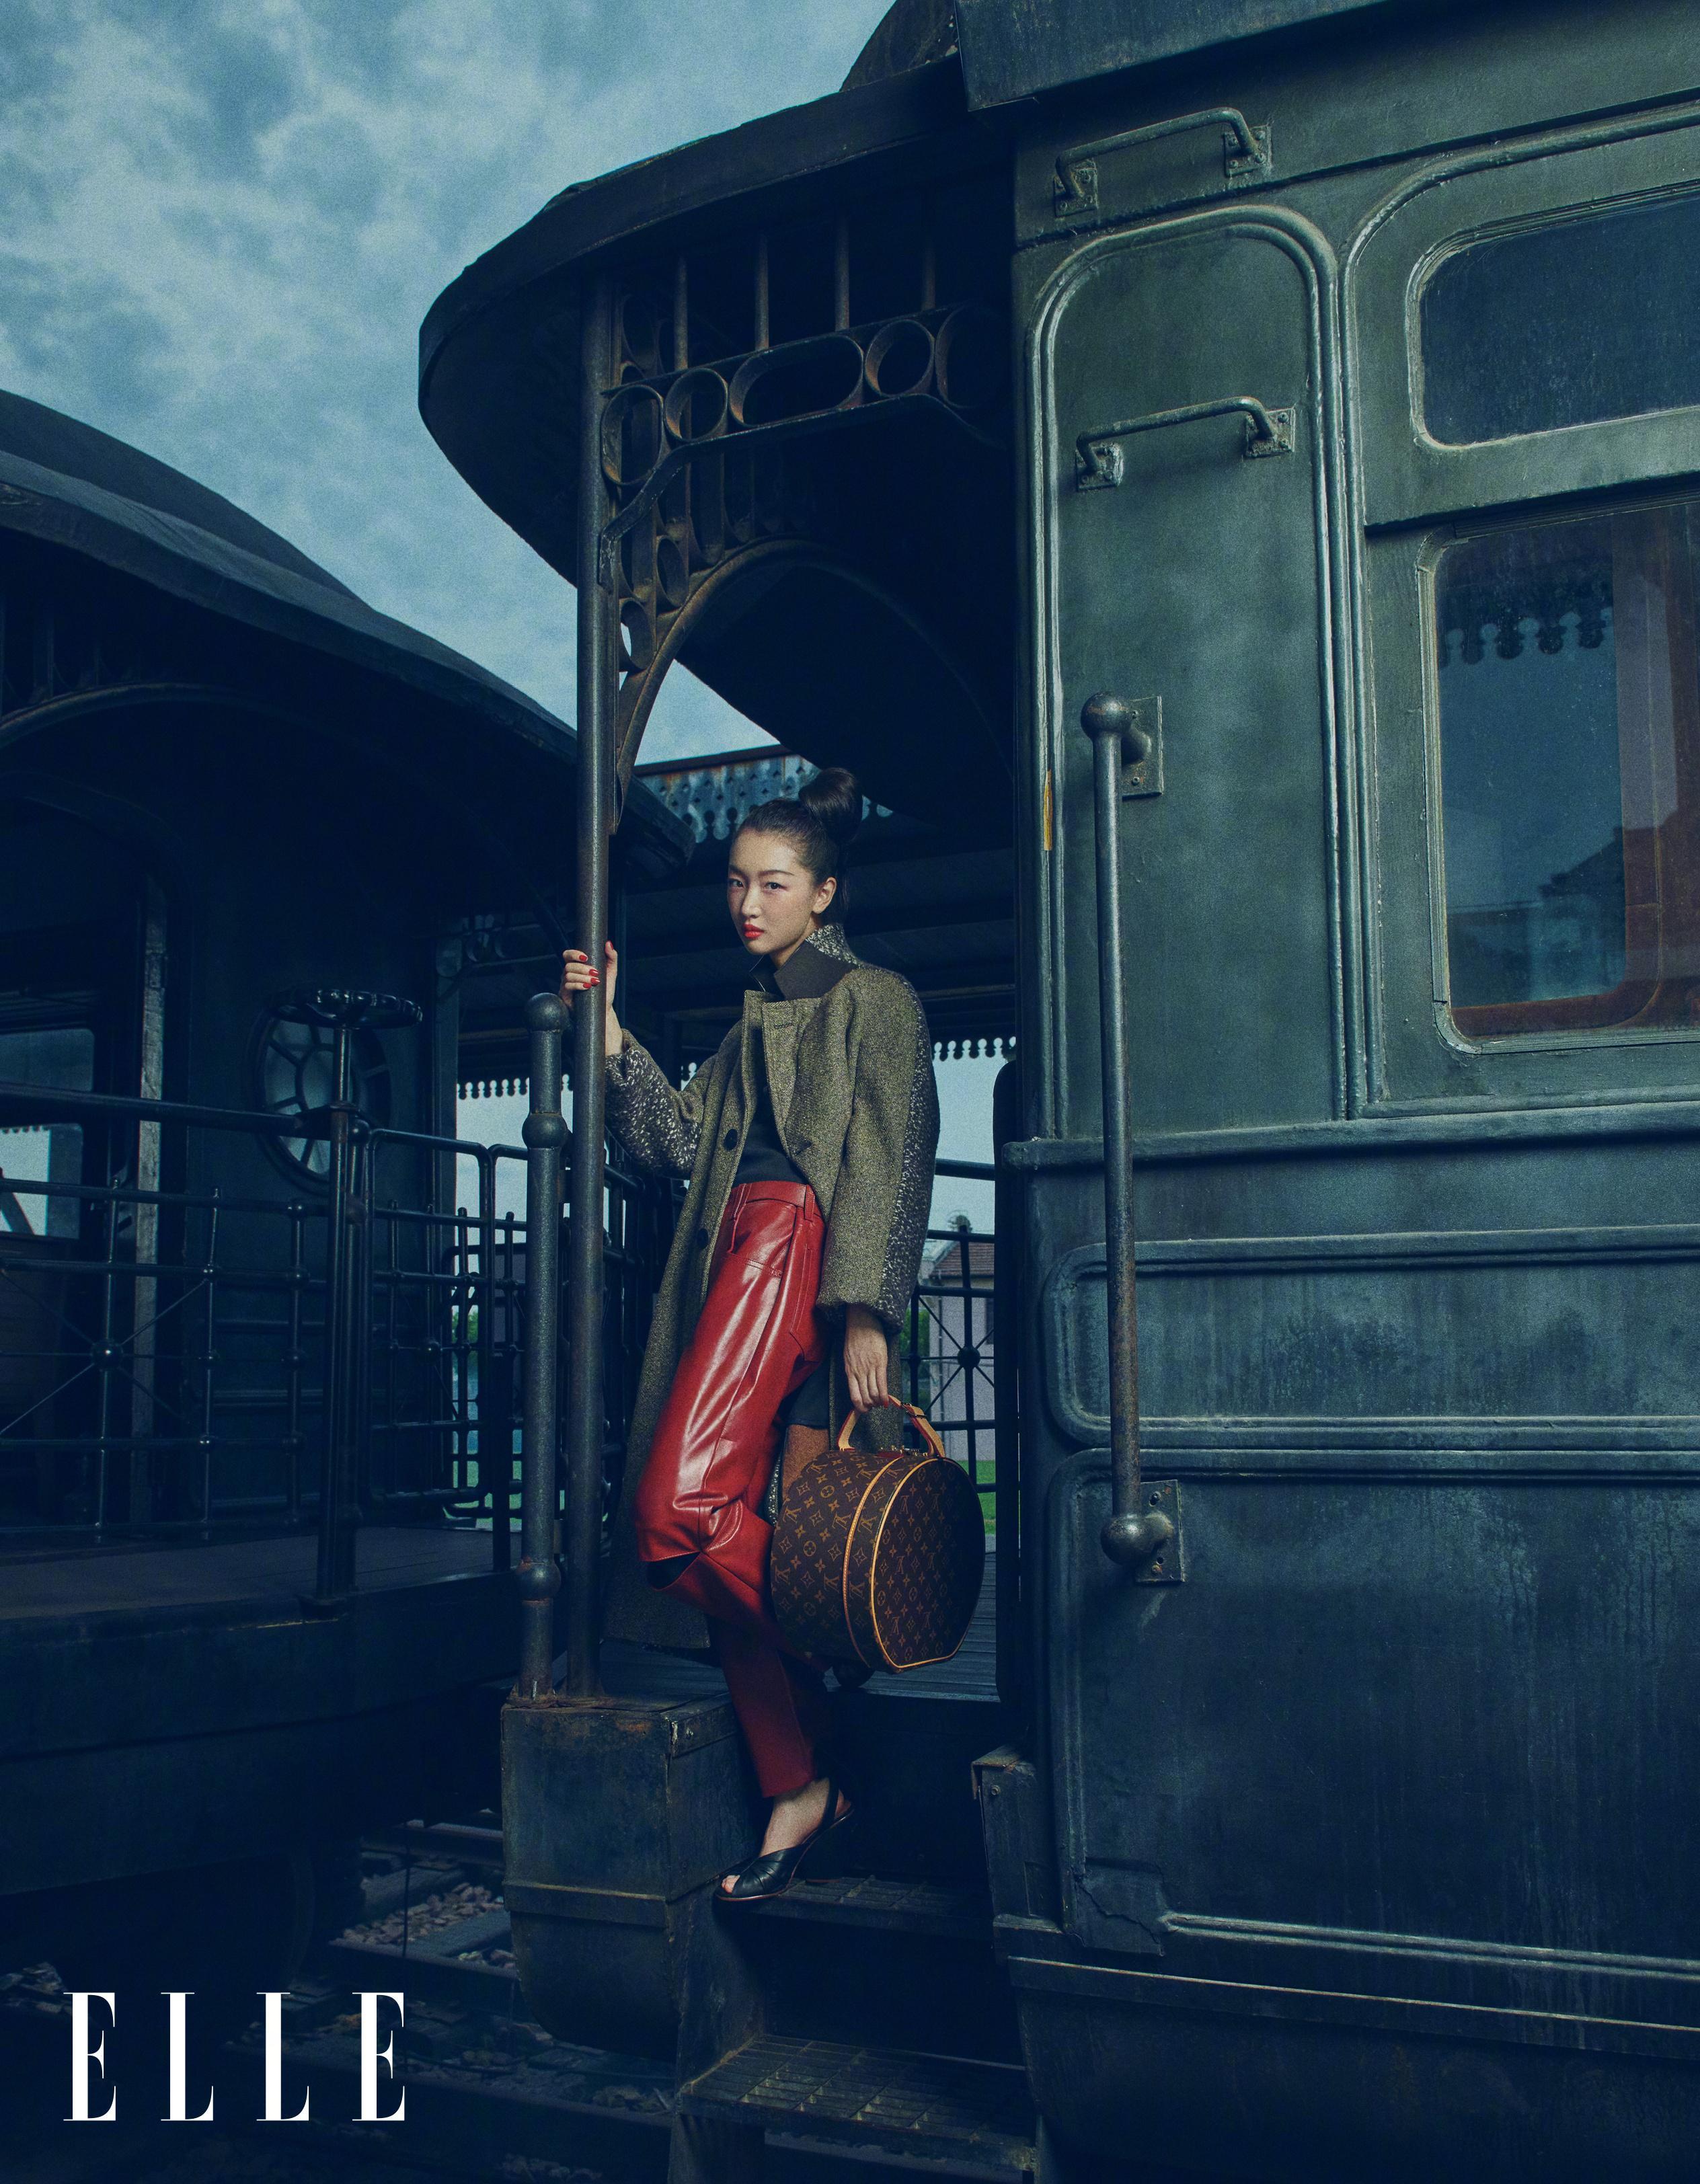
1347, 428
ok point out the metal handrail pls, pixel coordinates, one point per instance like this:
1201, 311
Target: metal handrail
1131, 1536
1098, 462
545, 1134
1245, 155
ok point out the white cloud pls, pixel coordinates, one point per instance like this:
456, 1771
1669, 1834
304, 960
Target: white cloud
226, 219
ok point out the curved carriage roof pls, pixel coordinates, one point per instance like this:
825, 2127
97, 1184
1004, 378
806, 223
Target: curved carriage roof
932, 93
495, 391
64, 483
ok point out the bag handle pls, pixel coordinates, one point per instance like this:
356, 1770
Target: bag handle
917, 1417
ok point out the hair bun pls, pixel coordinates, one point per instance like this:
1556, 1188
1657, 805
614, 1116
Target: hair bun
833, 800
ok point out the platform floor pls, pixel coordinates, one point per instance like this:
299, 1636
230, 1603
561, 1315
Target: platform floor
971, 1673
278, 1570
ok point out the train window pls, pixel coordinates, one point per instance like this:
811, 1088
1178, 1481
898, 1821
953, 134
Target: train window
1569, 323
1569, 732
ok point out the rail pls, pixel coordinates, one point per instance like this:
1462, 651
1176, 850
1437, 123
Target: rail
166, 1365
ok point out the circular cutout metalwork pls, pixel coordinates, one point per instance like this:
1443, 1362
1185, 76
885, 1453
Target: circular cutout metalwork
672, 572
708, 513
630, 434
291, 1071
800, 380
696, 405
737, 494
638, 635
972, 360
640, 333
899, 357
638, 557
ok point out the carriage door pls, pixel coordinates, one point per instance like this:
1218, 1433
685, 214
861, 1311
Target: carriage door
1182, 386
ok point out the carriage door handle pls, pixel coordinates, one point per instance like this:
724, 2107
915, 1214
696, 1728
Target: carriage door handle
1246, 156
1098, 459
1138, 1534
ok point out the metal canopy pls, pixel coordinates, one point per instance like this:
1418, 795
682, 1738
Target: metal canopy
1011, 49
64, 485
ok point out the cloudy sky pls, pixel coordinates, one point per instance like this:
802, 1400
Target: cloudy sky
225, 218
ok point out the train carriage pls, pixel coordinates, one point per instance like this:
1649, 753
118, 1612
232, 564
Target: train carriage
1238, 463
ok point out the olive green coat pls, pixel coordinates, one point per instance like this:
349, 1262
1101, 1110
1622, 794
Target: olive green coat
849, 1070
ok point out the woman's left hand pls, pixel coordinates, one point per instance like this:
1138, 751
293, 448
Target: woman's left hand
866, 1358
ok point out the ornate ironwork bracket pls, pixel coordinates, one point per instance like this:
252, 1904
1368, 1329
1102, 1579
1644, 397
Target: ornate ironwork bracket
1098, 462
1246, 156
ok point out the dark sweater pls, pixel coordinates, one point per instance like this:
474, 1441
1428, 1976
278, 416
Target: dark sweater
765, 1160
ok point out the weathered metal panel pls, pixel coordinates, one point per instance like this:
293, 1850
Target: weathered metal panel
1016, 48
1203, 579
1376, 1710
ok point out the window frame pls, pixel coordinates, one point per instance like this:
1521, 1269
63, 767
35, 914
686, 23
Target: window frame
1406, 474
1482, 1024
1411, 497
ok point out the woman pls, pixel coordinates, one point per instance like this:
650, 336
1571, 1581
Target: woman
809, 1140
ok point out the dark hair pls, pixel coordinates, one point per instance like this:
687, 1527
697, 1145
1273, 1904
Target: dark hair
820, 822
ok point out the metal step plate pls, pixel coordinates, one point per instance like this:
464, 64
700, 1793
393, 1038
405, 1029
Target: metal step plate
933, 2106
878, 1906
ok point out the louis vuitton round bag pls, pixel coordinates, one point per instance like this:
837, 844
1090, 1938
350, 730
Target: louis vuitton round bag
877, 1555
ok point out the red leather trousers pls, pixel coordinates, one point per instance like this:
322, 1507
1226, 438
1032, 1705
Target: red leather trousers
756, 1341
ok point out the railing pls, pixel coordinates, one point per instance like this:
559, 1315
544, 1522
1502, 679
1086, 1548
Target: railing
948, 1349
165, 1360
165, 1368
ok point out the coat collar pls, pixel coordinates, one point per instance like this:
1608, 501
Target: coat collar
813, 969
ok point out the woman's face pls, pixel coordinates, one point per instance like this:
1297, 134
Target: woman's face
775, 899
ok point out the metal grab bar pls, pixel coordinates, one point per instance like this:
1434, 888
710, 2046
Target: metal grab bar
1246, 156
1098, 460
598, 629
545, 1134
1131, 1536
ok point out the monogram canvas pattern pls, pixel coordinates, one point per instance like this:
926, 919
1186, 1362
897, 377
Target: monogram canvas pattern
899, 1540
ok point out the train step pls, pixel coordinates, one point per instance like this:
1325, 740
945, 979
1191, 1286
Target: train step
871, 1903
866, 1956
975, 2116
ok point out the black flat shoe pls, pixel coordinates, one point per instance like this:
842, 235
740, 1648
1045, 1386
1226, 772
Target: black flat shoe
771, 1873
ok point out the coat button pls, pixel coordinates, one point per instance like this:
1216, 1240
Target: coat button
702, 1239
730, 1140
802, 1145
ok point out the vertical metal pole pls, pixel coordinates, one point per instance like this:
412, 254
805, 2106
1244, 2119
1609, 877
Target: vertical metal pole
586, 1426
336, 1572
209, 1329
1131, 1536
107, 1356
495, 1465
598, 367
545, 1134
295, 1357
841, 272
145, 1307
1005, 1338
